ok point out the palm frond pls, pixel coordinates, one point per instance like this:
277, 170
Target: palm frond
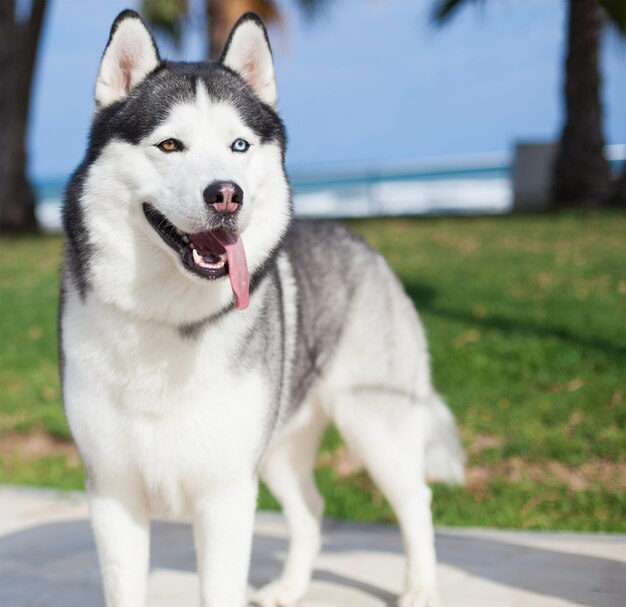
166, 16
312, 8
444, 10
616, 13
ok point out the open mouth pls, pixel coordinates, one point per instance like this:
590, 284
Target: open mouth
211, 254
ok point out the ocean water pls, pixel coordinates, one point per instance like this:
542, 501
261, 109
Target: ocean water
416, 191
469, 184
49, 193
338, 192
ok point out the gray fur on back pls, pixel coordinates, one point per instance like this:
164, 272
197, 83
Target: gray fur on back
327, 262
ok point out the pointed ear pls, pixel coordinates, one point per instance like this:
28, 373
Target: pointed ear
248, 53
131, 54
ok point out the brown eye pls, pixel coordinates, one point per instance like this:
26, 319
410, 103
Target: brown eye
170, 145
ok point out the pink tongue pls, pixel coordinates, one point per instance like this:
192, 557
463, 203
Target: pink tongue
237, 267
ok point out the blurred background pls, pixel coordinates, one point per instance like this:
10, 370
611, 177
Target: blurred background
478, 144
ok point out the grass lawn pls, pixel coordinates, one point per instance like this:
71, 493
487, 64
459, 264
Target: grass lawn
526, 318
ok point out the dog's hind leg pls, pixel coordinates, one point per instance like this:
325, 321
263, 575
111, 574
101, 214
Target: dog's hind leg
387, 431
287, 469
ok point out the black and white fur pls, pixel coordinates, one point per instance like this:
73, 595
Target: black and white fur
177, 401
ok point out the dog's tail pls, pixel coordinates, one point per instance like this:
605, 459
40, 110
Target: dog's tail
445, 458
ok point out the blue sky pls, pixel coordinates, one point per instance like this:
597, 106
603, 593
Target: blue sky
367, 81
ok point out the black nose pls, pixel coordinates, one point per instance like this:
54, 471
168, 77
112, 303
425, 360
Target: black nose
224, 196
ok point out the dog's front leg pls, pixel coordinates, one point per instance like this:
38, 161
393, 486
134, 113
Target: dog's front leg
223, 528
121, 528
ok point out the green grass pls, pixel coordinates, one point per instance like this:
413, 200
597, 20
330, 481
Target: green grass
29, 385
526, 319
51, 471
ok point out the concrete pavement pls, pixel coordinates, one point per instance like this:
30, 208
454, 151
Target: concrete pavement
47, 559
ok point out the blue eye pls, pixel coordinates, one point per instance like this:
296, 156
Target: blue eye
240, 145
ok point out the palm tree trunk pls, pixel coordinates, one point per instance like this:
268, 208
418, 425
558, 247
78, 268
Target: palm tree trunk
218, 26
618, 196
223, 14
581, 173
18, 51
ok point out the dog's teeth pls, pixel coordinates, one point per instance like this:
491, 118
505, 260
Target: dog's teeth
199, 261
185, 238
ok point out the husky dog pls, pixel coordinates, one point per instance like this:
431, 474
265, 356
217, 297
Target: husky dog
207, 339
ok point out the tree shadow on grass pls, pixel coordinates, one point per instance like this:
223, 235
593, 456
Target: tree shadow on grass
56, 564
425, 299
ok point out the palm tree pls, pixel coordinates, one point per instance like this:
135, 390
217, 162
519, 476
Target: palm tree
581, 173
168, 16
19, 39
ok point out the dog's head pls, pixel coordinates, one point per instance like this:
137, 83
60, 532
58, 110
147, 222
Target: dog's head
182, 197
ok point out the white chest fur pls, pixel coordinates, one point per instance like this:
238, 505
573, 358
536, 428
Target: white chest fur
178, 415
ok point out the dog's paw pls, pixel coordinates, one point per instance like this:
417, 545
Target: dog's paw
277, 594
419, 597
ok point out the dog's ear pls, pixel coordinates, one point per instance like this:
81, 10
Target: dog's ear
130, 55
248, 53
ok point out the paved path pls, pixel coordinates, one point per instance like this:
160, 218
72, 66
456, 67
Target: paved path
47, 559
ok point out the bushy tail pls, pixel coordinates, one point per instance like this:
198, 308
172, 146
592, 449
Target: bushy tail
445, 458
